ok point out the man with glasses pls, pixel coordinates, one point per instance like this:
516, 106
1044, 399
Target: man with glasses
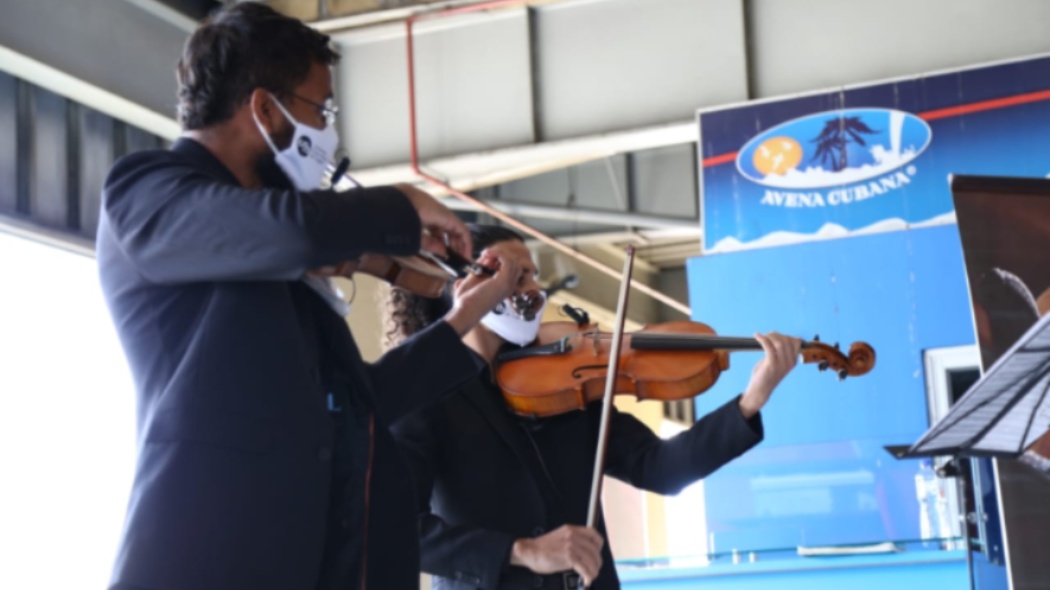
264, 456
328, 110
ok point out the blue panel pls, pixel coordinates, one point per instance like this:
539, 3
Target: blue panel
96, 157
821, 476
49, 168
8, 144
987, 575
874, 180
904, 571
989, 570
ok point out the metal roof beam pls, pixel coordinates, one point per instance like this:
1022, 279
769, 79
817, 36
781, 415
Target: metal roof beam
87, 94
588, 216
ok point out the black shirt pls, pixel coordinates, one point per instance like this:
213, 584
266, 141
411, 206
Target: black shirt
485, 477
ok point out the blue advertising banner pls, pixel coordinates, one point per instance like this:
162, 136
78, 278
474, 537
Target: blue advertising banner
867, 159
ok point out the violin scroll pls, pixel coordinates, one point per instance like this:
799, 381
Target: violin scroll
860, 360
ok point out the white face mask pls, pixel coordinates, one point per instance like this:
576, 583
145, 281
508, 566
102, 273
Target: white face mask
305, 159
511, 325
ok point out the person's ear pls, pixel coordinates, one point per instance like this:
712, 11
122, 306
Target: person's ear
264, 110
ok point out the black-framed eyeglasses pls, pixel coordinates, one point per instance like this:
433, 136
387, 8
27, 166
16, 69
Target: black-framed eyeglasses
328, 110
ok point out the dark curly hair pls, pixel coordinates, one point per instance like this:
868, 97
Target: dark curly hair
239, 49
405, 313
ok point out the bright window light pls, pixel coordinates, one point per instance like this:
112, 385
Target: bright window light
67, 430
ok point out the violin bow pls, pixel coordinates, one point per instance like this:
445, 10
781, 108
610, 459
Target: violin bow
610, 383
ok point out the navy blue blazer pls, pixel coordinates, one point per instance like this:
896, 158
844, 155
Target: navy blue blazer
485, 477
265, 461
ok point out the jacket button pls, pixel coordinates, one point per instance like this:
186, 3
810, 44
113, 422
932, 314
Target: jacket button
537, 582
324, 454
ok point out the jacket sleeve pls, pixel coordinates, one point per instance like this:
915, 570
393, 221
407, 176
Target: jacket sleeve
421, 370
178, 224
639, 457
468, 554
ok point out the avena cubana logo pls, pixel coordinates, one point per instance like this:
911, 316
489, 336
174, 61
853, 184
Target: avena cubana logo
836, 148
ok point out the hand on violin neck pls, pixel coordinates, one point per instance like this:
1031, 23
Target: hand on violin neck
475, 295
781, 356
567, 548
442, 230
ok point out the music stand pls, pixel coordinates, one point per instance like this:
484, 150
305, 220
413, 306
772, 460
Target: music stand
1005, 411
898, 451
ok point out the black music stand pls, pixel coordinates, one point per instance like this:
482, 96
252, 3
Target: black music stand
1004, 412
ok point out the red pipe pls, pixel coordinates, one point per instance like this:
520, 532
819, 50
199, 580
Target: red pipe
464, 9
520, 226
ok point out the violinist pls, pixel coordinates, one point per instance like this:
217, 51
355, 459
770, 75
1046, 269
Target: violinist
501, 498
265, 459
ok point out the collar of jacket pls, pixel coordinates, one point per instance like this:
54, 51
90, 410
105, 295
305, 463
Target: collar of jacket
202, 156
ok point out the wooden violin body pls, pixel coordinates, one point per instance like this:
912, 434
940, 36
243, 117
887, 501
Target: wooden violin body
667, 362
554, 384
423, 274
412, 273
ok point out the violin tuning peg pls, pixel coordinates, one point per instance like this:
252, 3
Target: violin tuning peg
837, 346
816, 338
843, 373
823, 366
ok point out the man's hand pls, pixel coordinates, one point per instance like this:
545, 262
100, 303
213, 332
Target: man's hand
566, 548
781, 356
475, 296
439, 223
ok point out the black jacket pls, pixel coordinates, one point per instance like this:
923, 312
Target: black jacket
485, 477
264, 460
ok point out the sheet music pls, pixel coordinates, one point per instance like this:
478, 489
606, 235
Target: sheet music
1006, 410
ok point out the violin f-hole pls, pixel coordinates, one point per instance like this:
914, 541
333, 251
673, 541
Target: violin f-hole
577, 373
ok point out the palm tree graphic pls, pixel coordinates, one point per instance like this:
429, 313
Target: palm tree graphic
833, 141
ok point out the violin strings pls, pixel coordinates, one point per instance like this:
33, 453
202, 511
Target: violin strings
685, 341
694, 340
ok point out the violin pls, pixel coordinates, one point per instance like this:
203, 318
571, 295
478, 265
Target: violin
670, 361
424, 274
